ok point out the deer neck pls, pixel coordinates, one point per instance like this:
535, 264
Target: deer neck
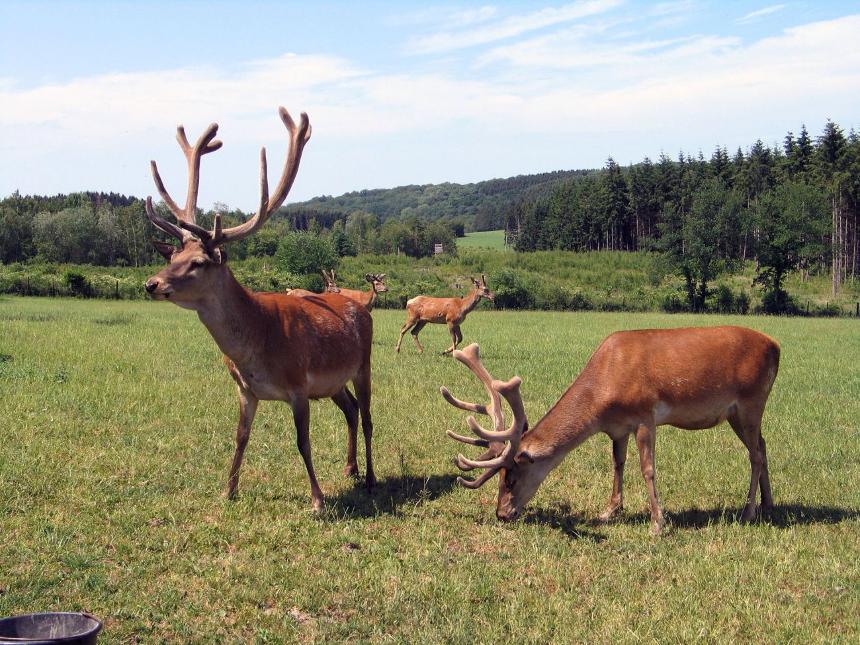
371, 297
231, 313
470, 301
573, 419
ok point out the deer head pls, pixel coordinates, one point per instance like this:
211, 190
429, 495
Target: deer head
483, 289
377, 281
520, 472
198, 263
330, 281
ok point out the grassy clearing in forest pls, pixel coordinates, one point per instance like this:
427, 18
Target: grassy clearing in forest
118, 422
483, 240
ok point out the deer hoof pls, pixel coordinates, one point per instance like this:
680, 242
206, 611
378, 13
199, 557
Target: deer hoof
609, 514
350, 470
750, 514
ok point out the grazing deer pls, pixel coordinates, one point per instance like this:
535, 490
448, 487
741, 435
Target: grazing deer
276, 346
421, 310
635, 381
367, 298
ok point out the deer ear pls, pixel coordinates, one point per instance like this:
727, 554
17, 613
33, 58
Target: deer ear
166, 249
524, 456
368, 277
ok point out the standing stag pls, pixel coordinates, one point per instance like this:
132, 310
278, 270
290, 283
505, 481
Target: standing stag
635, 381
275, 346
367, 298
421, 310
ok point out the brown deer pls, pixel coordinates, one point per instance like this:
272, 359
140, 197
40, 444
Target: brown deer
276, 346
367, 298
635, 381
421, 310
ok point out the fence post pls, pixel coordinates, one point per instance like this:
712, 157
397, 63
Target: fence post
857, 310
116, 290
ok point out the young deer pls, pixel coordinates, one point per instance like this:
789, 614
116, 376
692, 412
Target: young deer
276, 346
367, 298
635, 381
421, 310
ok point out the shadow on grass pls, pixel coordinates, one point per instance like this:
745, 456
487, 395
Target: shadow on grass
781, 516
388, 496
563, 519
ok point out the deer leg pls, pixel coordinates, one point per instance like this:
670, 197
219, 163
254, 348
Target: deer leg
406, 327
302, 417
452, 329
247, 410
417, 330
619, 456
764, 480
646, 436
748, 429
362, 393
349, 406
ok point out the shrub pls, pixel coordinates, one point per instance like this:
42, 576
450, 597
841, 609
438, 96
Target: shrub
725, 299
78, 284
510, 290
304, 253
742, 302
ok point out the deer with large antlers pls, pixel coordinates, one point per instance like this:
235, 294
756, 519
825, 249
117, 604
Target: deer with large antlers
690, 378
366, 298
421, 310
276, 347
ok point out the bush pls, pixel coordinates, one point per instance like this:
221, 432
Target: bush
742, 303
304, 253
510, 290
672, 304
725, 299
78, 284
580, 302
778, 302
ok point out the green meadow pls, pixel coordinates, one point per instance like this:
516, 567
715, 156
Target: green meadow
117, 425
483, 240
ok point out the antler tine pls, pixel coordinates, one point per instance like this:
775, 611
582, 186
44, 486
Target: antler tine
204, 145
479, 481
163, 225
187, 217
299, 136
497, 456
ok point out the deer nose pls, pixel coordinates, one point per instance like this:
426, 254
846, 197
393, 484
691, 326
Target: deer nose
151, 285
509, 516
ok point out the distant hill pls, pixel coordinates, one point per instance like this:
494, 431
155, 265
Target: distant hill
482, 206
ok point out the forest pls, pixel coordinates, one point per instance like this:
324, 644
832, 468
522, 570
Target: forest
790, 208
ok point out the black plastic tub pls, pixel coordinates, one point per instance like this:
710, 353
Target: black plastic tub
67, 628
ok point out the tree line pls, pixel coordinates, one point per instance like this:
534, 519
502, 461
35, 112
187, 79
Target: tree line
789, 207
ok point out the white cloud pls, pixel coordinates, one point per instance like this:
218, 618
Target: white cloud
760, 13
558, 100
445, 41
444, 17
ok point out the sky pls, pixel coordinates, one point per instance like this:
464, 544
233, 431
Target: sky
405, 92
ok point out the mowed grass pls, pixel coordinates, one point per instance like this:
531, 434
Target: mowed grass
117, 426
483, 240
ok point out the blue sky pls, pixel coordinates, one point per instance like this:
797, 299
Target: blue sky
402, 93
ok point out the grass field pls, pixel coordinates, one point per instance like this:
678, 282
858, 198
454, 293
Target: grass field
117, 425
483, 240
